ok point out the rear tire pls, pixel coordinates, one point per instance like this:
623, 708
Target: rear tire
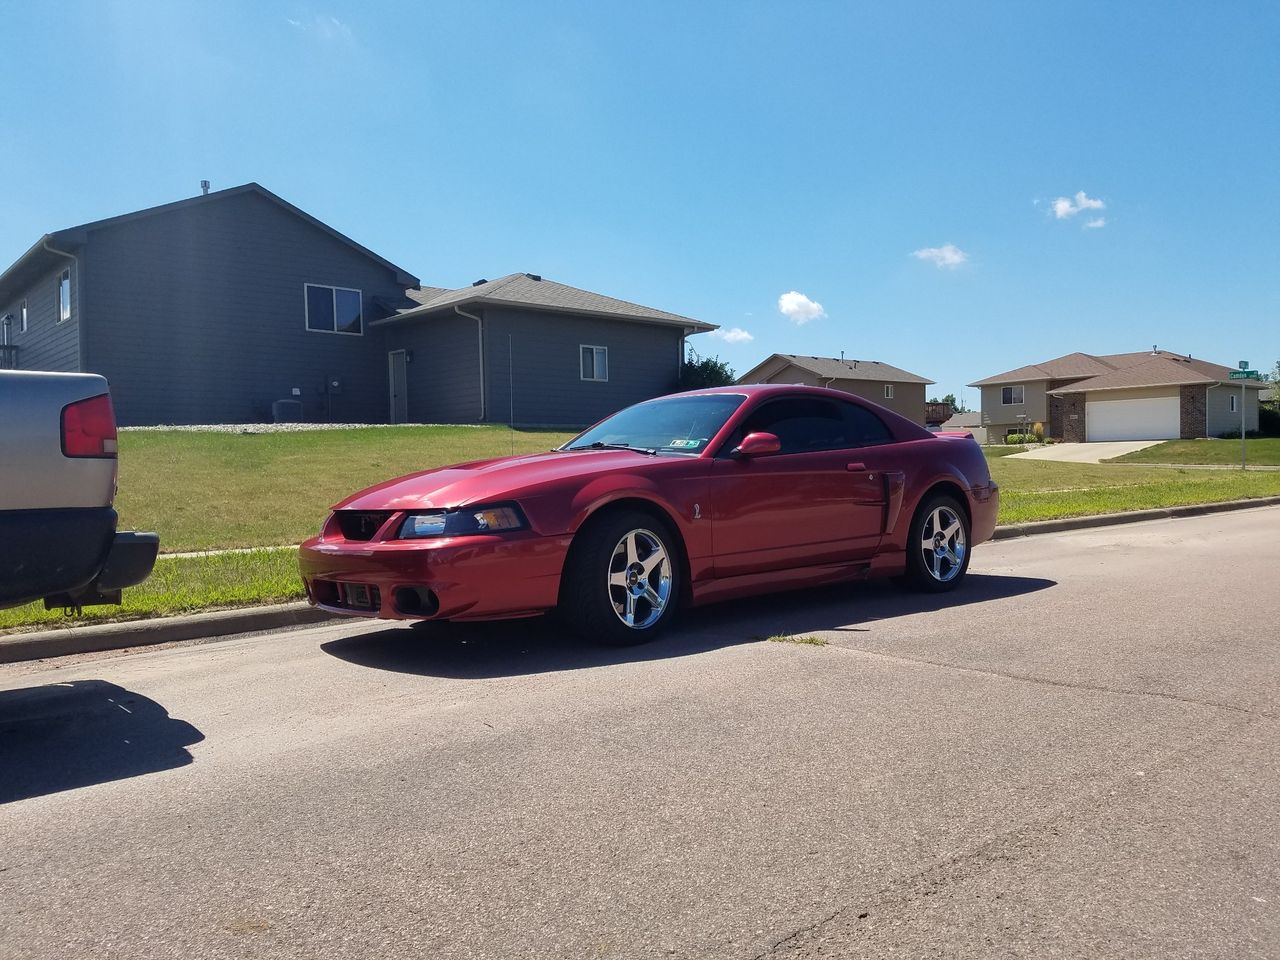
937, 545
623, 579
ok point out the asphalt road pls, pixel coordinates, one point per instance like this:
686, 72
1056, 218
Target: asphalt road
1077, 755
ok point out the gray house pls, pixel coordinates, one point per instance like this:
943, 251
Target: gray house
213, 308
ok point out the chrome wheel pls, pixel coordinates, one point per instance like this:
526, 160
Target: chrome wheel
942, 544
639, 580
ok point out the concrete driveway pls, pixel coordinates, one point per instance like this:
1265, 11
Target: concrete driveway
1084, 452
1075, 755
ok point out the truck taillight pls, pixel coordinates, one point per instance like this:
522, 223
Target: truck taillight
89, 428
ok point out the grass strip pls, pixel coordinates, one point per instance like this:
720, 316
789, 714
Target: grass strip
183, 585
1182, 489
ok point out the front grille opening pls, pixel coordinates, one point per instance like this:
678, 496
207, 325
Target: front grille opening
361, 524
346, 595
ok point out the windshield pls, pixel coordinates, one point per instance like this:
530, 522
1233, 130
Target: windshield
671, 425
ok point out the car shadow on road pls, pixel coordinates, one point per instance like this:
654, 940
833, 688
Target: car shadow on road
475, 651
67, 735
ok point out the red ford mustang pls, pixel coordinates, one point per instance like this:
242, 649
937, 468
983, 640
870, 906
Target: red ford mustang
687, 499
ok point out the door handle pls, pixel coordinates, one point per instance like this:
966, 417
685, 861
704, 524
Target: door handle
855, 467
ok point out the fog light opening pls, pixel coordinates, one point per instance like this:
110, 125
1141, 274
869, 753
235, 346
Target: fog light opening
416, 601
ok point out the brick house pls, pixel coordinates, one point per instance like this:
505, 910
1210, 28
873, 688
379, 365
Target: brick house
1151, 395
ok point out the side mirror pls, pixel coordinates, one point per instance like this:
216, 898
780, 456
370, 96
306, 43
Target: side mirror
758, 444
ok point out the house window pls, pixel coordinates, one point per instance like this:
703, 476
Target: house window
888, 391
594, 362
1234, 407
334, 310
22, 317
1010, 396
64, 296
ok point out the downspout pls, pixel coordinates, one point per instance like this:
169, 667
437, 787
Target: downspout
480, 353
1206, 408
79, 304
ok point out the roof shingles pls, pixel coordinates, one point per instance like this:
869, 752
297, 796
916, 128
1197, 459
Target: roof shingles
1115, 371
529, 290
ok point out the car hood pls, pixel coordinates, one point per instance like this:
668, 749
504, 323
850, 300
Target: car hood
487, 481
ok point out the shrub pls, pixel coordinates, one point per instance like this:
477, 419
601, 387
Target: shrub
1269, 420
701, 372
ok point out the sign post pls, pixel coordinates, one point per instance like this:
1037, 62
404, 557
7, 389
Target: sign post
1243, 374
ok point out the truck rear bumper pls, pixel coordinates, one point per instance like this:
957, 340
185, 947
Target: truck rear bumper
129, 562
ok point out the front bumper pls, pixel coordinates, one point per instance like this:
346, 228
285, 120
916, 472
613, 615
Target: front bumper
480, 577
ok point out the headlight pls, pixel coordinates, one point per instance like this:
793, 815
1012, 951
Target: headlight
456, 523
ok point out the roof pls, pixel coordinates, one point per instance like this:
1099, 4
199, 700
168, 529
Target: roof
970, 418
1071, 366
1087, 367
536, 293
1163, 370
831, 368
40, 258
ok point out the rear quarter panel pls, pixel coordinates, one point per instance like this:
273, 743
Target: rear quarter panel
928, 463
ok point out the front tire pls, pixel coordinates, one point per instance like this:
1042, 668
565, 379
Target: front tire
938, 545
623, 580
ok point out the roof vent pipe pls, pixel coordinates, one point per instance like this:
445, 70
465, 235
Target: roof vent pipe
204, 188
480, 281
842, 356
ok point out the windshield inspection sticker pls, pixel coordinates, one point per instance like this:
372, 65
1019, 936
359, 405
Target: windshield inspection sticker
684, 443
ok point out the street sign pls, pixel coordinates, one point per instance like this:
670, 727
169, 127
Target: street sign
1244, 375
1244, 364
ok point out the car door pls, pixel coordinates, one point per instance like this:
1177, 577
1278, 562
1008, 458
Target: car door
813, 502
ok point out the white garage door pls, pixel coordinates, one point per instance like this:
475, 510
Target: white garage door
1153, 418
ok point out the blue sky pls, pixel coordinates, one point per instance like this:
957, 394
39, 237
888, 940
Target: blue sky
897, 164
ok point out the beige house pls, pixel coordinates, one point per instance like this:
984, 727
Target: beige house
891, 387
1152, 395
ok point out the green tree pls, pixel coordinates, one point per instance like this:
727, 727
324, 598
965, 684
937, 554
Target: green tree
699, 372
950, 398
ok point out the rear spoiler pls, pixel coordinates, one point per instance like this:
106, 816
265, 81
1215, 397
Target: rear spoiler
955, 434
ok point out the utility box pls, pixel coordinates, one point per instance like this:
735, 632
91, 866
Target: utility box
286, 411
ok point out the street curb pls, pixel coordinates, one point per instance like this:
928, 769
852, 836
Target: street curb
44, 644
1134, 516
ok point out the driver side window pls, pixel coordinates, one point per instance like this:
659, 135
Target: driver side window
801, 424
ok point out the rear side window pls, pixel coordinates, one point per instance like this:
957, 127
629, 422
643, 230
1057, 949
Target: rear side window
865, 428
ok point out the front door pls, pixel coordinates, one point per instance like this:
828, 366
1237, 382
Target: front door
816, 501
398, 375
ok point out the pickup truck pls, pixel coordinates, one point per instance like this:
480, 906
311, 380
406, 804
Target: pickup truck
58, 537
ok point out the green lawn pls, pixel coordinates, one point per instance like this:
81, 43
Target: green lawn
205, 491
1043, 490
211, 490
1262, 451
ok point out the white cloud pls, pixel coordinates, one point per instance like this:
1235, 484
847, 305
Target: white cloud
733, 335
946, 257
1064, 208
326, 28
799, 309
1096, 223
